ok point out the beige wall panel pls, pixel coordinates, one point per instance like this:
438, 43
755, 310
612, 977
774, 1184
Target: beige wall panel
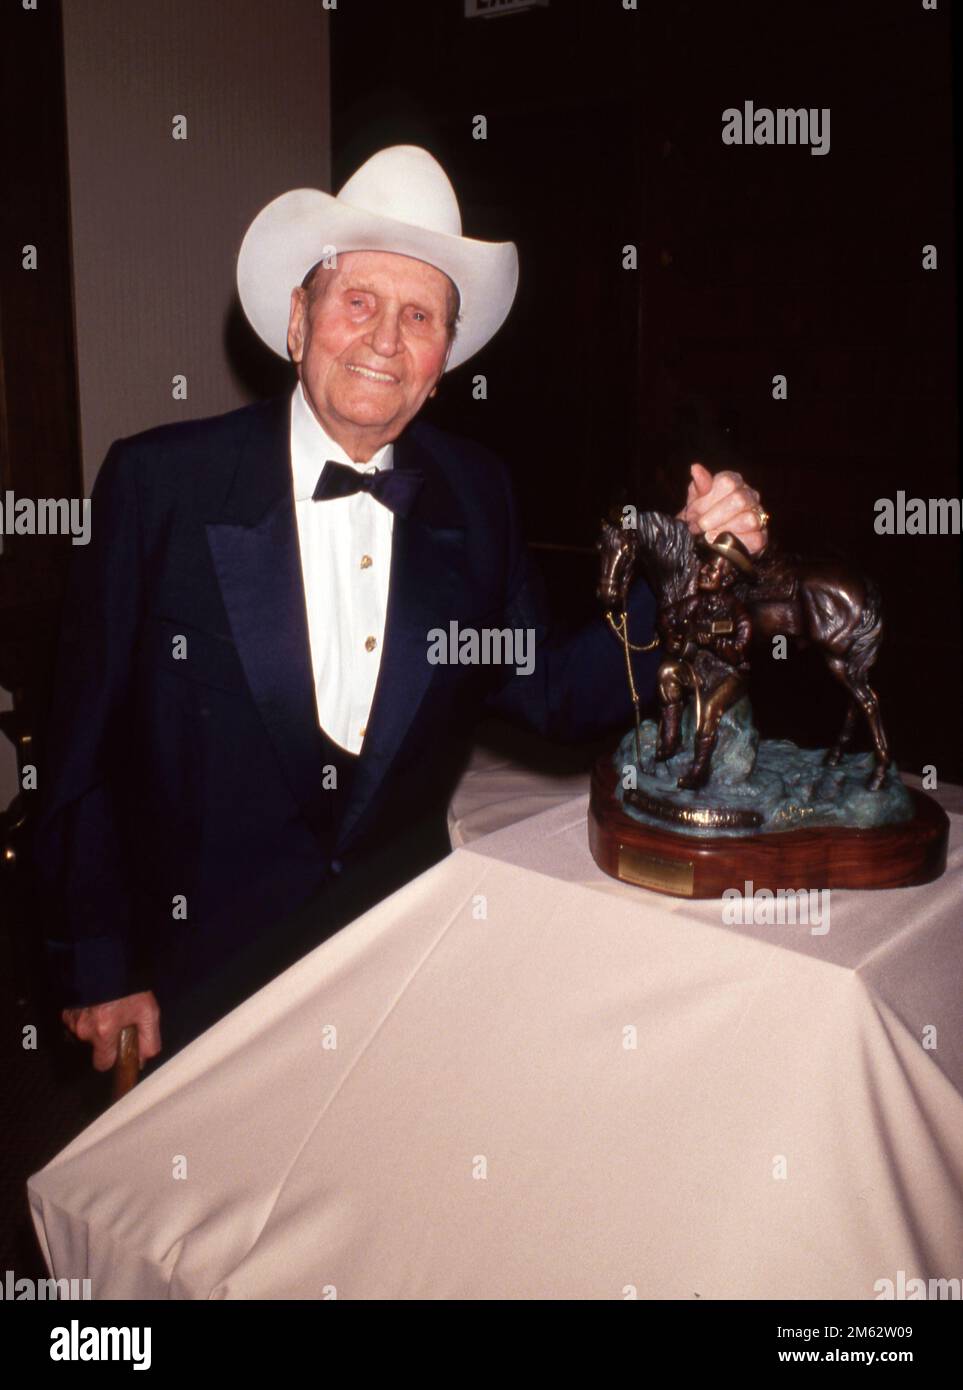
156, 222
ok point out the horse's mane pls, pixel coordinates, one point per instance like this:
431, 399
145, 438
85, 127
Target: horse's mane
668, 556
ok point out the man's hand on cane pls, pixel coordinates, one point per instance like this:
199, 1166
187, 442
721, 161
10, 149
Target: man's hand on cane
101, 1025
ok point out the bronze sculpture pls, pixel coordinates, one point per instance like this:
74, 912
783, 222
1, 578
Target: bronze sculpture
698, 802
824, 602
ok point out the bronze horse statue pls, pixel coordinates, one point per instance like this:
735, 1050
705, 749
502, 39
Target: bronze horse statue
823, 602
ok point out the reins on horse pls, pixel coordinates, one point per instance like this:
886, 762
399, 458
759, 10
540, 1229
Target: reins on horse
621, 630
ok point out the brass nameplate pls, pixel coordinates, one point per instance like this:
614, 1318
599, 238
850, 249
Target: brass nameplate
649, 871
721, 626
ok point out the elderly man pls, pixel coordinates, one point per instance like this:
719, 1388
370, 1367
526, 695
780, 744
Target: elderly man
249, 745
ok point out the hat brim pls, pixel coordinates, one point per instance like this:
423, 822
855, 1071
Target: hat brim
729, 552
297, 229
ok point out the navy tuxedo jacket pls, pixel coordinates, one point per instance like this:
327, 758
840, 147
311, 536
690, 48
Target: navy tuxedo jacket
181, 799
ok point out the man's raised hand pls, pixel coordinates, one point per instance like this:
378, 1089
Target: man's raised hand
724, 502
101, 1024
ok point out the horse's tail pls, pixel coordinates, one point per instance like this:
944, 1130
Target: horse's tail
868, 635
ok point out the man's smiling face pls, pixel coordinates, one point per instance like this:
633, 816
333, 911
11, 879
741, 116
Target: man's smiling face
370, 340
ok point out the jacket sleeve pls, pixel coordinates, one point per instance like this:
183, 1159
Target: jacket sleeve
78, 844
577, 688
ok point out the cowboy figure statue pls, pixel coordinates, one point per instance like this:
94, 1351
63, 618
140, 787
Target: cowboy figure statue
706, 636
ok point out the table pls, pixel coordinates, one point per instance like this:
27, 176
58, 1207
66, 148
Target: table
520, 1079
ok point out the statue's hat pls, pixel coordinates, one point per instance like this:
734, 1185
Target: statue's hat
731, 548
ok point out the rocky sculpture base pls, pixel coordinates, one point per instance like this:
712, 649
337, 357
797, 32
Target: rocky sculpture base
692, 860
755, 784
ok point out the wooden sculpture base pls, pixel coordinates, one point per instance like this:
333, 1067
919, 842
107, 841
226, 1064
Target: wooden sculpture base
689, 866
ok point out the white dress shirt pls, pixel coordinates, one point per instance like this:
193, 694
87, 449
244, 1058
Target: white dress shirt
345, 563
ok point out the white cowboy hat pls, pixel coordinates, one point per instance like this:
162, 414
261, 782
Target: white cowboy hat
400, 200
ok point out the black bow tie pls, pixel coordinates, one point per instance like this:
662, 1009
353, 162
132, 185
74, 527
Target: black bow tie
394, 489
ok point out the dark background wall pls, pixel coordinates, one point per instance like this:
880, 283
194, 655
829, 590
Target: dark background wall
812, 266
604, 128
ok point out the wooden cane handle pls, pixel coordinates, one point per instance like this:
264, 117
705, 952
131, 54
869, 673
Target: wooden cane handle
127, 1066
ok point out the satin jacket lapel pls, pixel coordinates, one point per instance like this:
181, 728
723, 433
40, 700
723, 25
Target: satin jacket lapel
254, 546
427, 587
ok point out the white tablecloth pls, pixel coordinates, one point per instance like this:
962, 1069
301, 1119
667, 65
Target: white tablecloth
518, 1078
